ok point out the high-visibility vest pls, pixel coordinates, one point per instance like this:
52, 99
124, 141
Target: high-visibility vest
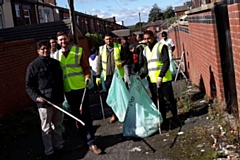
141, 45
154, 64
73, 76
117, 58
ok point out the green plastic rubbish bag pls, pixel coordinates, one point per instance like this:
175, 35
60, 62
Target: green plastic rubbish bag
118, 96
102, 82
66, 107
142, 117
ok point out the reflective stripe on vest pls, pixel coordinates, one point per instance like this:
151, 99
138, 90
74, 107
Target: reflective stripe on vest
154, 64
117, 58
73, 75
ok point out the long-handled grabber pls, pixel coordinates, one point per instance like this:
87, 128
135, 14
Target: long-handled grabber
84, 92
100, 97
62, 110
158, 107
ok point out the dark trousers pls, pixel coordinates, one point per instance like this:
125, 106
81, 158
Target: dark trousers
94, 83
165, 93
74, 99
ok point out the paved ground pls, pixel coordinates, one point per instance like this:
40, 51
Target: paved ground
21, 138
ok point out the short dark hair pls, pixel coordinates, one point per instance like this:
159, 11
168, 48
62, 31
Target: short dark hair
164, 34
53, 37
109, 34
61, 33
124, 38
140, 35
149, 32
43, 43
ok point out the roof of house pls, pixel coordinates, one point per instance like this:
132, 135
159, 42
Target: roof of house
138, 32
110, 19
122, 32
35, 31
184, 7
155, 23
165, 24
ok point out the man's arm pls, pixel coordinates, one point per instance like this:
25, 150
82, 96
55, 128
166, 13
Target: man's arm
32, 84
85, 66
165, 59
99, 63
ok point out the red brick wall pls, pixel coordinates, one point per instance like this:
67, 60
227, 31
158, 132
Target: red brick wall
15, 57
202, 57
234, 21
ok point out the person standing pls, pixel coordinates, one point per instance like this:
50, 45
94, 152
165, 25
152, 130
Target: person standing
167, 41
44, 80
93, 59
110, 55
54, 46
157, 58
128, 58
76, 77
171, 47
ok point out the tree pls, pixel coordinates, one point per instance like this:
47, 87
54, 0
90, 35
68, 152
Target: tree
155, 13
96, 39
169, 12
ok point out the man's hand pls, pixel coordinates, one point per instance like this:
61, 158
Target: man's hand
159, 82
88, 82
40, 100
118, 64
98, 81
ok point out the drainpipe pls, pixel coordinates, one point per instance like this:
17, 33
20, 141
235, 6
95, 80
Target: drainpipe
14, 13
38, 12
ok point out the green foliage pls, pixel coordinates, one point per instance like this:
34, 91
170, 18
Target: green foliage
136, 27
155, 13
96, 39
168, 13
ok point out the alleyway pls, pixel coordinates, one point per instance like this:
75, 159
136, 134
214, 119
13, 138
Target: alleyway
22, 140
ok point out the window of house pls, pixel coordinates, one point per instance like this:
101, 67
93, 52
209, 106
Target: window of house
17, 10
46, 15
77, 19
157, 28
27, 18
86, 24
98, 26
40, 13
1, 19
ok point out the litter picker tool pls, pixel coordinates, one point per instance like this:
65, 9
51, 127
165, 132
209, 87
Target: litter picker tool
158, 107
84, 92
100, 97
62, 110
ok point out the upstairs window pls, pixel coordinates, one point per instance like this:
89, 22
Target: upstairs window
17, 10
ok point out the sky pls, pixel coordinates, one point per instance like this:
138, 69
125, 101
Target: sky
123, 10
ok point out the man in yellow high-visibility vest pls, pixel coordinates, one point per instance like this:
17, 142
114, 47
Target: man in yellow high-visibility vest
160, 77
76, 77
110, 55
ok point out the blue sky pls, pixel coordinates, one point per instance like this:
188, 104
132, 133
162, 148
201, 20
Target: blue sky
123, 10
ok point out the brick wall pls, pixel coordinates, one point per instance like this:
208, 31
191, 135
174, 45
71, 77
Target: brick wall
234, 21
202, 58
15, 57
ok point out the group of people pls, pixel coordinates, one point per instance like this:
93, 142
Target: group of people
65, 71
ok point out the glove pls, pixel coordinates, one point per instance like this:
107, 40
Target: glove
98, 81
88, 81
40, 100
118, 64
159, 82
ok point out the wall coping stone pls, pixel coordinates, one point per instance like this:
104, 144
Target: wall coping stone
201, 9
